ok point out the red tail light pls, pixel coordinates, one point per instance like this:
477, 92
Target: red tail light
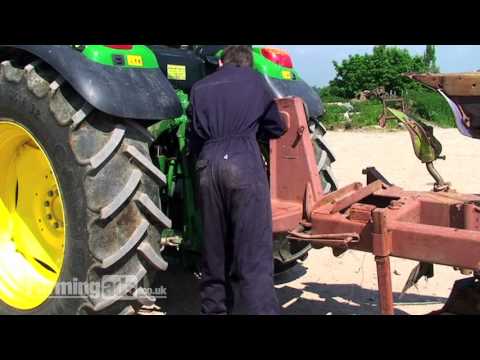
120, 47
278, 56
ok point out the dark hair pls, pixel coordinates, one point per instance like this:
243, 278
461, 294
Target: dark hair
240, 55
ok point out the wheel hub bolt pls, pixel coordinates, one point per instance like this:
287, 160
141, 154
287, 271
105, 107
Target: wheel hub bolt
47, 203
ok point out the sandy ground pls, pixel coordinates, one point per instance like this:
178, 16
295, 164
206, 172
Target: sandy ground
326, 285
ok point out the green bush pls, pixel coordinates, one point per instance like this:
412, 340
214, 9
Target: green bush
424, 103
368, 113
431, 106
384, 67
334, 115
327, 96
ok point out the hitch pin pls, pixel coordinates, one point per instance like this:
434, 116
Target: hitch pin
300, 132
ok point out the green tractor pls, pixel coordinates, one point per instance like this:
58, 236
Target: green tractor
96, 185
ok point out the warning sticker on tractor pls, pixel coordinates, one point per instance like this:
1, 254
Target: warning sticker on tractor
287, 75
135, 60
177, 72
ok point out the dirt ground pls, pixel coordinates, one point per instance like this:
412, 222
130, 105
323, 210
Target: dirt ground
325, 285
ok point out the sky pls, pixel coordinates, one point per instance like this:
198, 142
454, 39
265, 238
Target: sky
314, 62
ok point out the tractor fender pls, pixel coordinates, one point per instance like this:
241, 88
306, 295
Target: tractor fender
134, 93
297, 88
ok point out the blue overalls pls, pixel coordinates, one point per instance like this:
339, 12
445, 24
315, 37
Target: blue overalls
229, 109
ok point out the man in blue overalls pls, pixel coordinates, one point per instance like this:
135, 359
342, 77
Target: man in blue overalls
229, 109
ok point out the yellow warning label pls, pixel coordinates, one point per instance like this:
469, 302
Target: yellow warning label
287, 75
134, 60
177, 72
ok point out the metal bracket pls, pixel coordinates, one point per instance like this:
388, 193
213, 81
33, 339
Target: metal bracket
321, 240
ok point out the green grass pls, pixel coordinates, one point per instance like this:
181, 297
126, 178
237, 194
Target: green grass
423, 103
365, 114
333, 115
368, 113
430, 106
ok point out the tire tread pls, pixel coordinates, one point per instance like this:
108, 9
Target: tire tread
140, 249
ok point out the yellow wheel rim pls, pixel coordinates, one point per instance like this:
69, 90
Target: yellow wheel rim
32, 222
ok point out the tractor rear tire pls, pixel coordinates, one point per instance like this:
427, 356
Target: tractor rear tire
109, 188
325, 158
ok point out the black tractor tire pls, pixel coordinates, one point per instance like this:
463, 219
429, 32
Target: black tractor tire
325, 158
109, 185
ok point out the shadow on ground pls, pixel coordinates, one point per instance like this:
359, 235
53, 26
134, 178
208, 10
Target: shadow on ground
341, 299
337, 299
182, 291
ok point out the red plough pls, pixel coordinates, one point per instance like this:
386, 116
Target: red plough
437, 227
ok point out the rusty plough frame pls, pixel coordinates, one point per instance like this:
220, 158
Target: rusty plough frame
440, 227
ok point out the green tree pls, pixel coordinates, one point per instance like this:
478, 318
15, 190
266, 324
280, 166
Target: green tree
381, 68
430, 59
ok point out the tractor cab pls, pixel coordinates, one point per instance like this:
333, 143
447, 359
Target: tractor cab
184, 65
